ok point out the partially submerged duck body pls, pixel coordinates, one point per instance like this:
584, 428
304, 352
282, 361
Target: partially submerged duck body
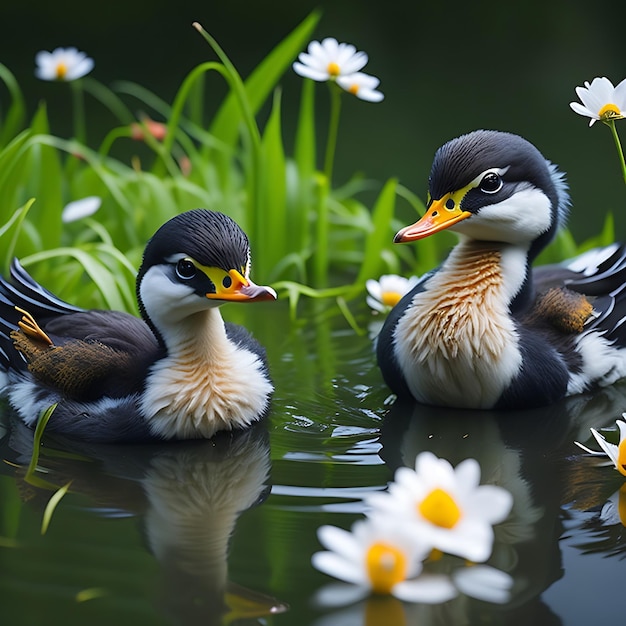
486, 330
180, 372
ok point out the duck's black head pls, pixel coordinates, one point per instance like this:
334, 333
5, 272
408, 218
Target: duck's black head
209, 237
196, 260
494, 186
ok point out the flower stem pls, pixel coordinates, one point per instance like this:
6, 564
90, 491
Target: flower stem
333, 128
320, 268
618, 145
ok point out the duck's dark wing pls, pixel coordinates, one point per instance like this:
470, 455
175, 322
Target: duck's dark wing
599, 277
83, 354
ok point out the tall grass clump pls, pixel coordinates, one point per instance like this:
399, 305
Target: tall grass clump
307, 235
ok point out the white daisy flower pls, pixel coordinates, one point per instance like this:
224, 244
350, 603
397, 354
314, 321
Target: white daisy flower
387, 291
329, 59
615, 452
361, 85
378, 556
446, 506
601, 100
64, 64
79, 209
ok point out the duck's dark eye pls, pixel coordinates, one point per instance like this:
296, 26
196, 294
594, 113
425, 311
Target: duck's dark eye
227, 282
491, 183
185, 269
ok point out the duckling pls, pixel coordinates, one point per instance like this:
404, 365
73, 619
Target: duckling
179, 372
485, 330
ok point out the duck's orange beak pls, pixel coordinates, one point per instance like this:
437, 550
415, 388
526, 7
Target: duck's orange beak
441, 214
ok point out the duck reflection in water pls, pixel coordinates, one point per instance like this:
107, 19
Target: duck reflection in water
530, 454
190, 495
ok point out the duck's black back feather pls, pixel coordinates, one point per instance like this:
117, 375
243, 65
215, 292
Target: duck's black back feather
130, 340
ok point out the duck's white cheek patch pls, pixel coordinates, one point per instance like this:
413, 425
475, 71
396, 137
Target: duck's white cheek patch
511, 221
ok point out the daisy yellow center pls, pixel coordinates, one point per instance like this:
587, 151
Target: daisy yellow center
333, 69
61, 71
621, 457
353, 89
386, 566
388, 298
440, 509
609, 110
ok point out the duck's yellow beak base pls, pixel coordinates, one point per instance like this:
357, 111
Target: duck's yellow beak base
240, 289
441, 214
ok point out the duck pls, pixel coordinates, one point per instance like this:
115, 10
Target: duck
486, 329
176, 372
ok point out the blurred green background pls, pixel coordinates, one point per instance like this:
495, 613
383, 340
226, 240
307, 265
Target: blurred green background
445, 69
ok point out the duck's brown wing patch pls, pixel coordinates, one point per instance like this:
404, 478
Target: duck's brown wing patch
108, 354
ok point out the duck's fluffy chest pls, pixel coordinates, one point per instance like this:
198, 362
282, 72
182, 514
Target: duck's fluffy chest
457, 343
206, 385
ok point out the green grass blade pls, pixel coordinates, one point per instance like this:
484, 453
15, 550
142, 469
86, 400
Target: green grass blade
100, 274
11, 125
380, 234
262, 81
305, 151
109, 99
271, 217
51, 506
31, 472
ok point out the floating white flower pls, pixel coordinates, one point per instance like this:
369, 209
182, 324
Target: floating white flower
78, 209
387, 291
601, 100
361, 85
64, 64
615, 452
447, 506
329, 59
378, 556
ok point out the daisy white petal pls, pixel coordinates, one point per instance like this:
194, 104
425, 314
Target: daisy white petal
308, 71
427, 588
600, 100
445, 506
361, 85
387, 554
79, 209
329, 59
615, 452
338, 567
339, 540
484, 583
64, 64
376, 305
387, 291
494, 502
620, 95
339, 594
374, 288
468, 473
